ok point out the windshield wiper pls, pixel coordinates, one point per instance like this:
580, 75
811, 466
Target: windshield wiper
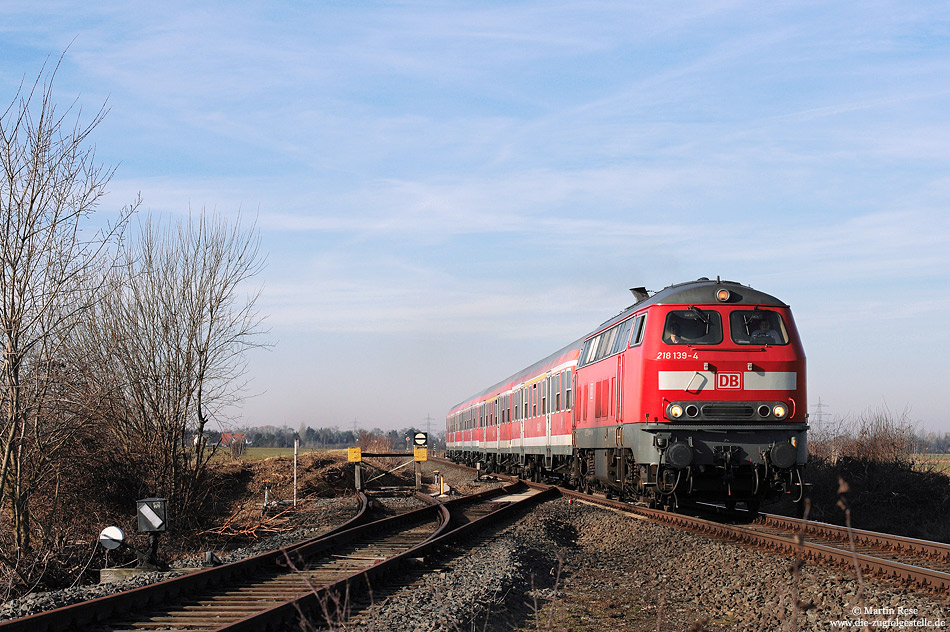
702, 316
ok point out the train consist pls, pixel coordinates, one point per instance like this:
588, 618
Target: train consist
694, 392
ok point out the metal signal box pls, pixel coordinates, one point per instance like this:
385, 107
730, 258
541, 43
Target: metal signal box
152, 515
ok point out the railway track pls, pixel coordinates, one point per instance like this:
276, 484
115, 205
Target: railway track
920, 562
271, 591
924, 563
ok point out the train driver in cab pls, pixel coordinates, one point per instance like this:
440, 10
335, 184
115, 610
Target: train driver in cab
764, 334
673, 336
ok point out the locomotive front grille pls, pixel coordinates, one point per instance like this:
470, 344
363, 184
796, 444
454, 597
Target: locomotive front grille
728, 411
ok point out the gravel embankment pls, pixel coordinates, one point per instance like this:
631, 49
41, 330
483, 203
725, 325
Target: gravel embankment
571, 566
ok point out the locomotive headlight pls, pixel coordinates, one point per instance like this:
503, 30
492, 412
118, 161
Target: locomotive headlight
676, 411
723, 295
779, 411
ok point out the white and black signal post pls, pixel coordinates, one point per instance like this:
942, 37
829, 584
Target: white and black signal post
419, 454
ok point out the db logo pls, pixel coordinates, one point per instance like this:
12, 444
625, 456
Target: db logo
729, 381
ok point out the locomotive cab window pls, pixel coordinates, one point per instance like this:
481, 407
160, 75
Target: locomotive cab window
693, 326
757, 327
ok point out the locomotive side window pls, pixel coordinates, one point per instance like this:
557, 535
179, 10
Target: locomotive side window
607, 344
623, 336
693, 327
590, 350
638, 330
757, 327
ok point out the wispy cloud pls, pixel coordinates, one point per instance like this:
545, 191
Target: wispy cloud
504, 171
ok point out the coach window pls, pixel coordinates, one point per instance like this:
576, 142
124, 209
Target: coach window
568, 404
757, 327
693, 326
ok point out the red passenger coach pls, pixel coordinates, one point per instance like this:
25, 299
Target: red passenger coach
697, 391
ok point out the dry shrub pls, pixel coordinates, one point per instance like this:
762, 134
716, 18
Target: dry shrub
873, 453
874, 436
88, 491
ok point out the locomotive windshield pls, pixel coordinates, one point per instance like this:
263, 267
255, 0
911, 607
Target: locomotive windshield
757, 327
692, 327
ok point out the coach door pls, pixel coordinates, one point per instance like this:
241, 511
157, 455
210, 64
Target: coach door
522, 413
547, 403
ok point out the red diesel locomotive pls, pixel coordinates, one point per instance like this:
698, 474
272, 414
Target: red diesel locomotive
696, 392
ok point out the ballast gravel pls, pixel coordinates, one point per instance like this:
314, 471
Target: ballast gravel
573, 566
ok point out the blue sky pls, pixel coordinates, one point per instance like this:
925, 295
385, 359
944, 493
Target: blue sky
448, 191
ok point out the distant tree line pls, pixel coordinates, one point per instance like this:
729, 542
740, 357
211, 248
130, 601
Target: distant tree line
931, 443
327, 438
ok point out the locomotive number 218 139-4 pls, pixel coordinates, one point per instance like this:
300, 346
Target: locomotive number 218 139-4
677, 355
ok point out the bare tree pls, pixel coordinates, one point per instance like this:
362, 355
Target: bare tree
49, 186
181, 324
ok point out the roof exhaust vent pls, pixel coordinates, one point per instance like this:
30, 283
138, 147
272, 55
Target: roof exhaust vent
640, 293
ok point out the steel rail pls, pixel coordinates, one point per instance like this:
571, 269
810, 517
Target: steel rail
896, 543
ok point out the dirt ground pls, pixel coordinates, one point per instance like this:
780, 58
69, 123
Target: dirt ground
238, 513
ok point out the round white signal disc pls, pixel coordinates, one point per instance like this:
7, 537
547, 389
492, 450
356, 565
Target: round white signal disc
111, 538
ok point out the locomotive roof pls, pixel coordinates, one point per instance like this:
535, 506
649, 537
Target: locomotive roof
700, 291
